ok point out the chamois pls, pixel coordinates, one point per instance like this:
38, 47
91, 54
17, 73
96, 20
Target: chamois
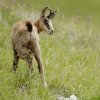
25, 40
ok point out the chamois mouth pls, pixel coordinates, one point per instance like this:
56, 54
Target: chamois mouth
50, 32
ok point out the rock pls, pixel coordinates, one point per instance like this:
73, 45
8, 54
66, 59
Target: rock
72, 97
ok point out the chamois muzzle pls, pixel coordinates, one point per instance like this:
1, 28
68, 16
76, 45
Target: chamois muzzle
51, 32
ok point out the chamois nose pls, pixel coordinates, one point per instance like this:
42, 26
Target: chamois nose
51, 32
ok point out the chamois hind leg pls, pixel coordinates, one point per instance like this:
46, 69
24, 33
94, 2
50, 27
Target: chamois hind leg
37, 54
30, 63
15, 61
27, 57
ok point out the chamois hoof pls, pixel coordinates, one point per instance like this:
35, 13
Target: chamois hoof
45, 85
14, 69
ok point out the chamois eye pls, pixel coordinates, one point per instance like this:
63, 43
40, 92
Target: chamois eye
46, 23
45, 20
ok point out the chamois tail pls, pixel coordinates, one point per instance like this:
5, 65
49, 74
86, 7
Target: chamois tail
29, 26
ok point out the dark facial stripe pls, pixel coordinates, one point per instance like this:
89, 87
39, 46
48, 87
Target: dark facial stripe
46, 23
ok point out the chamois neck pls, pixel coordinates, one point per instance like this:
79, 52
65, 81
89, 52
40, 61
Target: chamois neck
36, 24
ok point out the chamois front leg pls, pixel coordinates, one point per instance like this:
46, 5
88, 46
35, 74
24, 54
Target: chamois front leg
15, 61
37, 55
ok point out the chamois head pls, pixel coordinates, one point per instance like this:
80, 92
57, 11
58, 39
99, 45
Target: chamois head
45, 22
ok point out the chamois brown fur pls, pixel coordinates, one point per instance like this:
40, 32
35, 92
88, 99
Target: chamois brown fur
25, 41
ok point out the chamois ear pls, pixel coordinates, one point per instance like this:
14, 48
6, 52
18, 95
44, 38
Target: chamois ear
43, 12
52, 14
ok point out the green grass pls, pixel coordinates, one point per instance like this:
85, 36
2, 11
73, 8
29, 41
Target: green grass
70, 56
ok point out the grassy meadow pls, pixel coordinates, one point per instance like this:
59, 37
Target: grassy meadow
70, 56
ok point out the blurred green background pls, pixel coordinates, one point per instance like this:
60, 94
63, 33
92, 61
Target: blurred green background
64, 7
